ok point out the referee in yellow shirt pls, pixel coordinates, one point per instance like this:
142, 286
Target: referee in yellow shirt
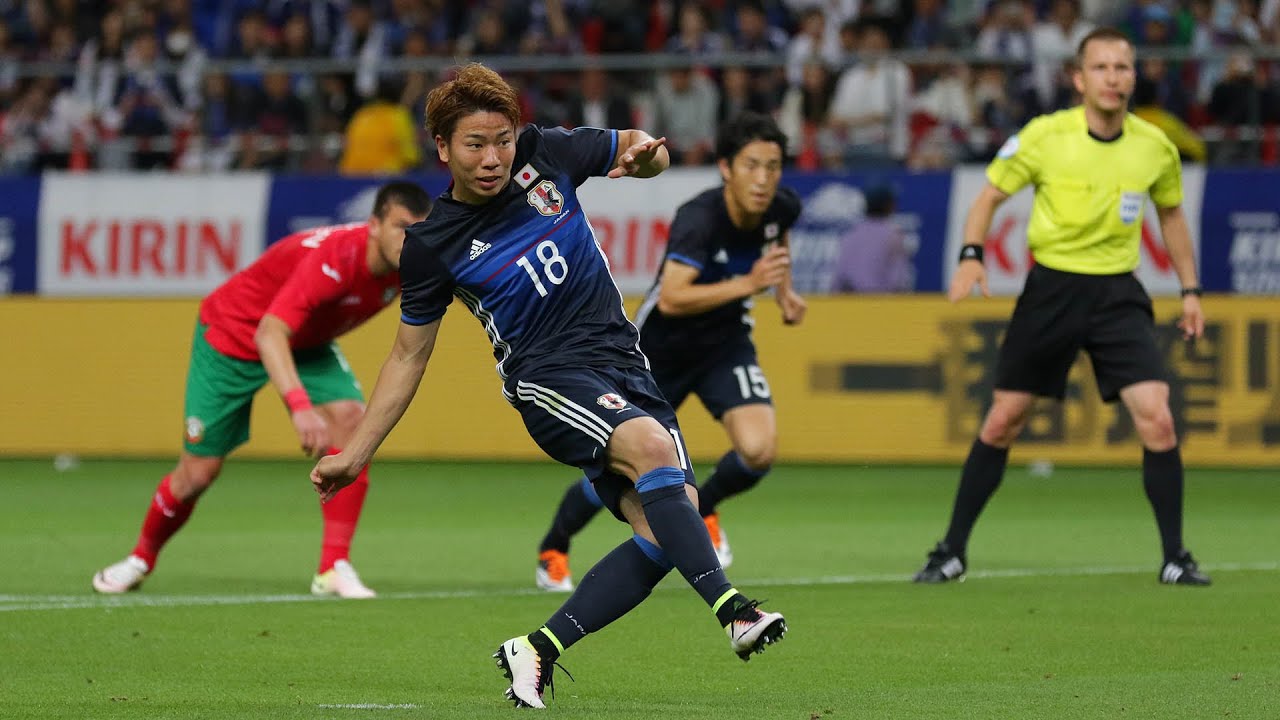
1092, 167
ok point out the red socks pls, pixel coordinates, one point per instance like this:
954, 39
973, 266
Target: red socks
340, 517
164, 518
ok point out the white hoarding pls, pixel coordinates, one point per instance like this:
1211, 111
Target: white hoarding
148, 235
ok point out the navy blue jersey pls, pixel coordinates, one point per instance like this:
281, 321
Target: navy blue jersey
703, 237
527, 263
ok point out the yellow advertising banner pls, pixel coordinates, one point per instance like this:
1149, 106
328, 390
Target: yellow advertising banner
865, 379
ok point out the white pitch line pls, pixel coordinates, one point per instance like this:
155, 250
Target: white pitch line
32, 603
368, 706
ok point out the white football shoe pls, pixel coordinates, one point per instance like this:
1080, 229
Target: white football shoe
121, 577
341, 580
522, 665
752, 630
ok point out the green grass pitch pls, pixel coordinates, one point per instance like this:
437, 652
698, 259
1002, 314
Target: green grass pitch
1061, 616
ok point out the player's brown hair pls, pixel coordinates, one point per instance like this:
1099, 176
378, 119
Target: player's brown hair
1101, 33
475, 88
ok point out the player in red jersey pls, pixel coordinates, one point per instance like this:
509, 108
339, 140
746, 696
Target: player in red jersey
275, 321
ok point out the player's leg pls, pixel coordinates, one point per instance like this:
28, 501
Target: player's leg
980, 477
753, 432
1039, 347
579, 504
219, 395
736, 392
590, 418
1129, 366
336, 393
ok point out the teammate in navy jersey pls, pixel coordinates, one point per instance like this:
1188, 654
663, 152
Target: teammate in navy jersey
509, 239
726, 245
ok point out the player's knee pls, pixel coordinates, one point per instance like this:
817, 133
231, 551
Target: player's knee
758, 456
1002, 425
656, 448
1156, 429
192, 478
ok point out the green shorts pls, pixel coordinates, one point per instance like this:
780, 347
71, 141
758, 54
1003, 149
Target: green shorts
220, 392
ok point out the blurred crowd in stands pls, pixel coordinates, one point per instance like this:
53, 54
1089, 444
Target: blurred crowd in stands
198, 85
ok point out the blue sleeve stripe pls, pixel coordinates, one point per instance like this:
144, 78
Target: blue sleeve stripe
410, 320
613, 152
685, 260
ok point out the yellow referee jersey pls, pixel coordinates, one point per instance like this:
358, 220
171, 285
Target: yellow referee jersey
1090, 193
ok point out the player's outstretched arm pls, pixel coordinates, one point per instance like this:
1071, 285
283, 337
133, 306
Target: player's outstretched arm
640, 155
1177, 238
272, 341
971, 271
397, 383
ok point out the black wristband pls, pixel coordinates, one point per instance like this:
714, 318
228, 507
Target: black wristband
970, 252
1194, 290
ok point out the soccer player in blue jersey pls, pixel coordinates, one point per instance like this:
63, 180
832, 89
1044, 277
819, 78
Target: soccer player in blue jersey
510, 240
727, 244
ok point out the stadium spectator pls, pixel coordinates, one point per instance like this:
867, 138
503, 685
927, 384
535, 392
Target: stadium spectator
550, 31
1006, 31
803, 118
381, 138
754, 34
214, 143
364, 39
1147, 105
9, 60
338, 102
597, 104
874, 256
276, 322
738, 95
1054, 41
99, 65
144, 104
277, 115
811, 43
694, 35
929, 27
322, 17
942, 118
685, 106
871, 103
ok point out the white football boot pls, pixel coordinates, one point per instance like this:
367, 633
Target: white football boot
752, 630
341, 580
121, 577
522, 665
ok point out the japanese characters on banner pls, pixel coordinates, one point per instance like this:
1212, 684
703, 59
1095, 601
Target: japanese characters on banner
148, 235
1007, 257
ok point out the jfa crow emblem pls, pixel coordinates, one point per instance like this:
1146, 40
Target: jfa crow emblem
546, 199
612, 401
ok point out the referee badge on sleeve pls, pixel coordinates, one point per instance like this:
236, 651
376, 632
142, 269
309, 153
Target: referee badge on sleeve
1009, 148
1131, 206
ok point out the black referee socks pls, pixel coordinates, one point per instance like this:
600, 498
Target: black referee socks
1162, 478
983, 471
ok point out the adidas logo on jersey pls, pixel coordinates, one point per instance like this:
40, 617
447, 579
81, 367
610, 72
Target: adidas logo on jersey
478, 248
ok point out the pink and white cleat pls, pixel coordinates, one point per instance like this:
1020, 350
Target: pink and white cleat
341, 580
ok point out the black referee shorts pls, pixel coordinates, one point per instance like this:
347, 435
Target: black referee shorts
1060, 313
